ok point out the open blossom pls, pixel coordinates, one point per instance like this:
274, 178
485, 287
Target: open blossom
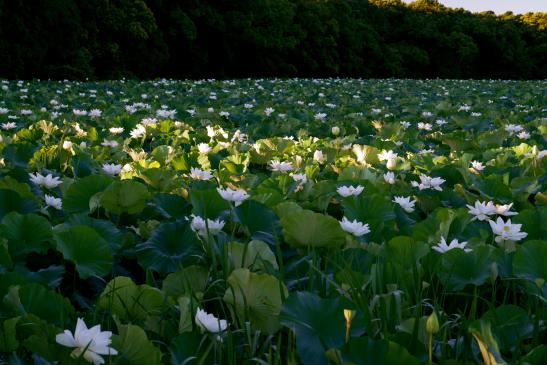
405, 203
199, 174
354, 227
477, 165
505, 210
53, 202
269, 111
301, 178
506, 231
237, 196
481, 210
138, 131
390, 157
523, 135
442, 247
199, 225
48, 181
424, 126
111, 144
9, 125
95, 113
116, 130
405, 124
427, 182
112, 169
88, 343
209, 322
204, 148
513, 128
320, 116
346, 191
281, 166
389, 177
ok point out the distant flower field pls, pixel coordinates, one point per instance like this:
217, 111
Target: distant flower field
298, 221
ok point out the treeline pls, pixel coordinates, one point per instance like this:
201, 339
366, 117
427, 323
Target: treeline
107, 39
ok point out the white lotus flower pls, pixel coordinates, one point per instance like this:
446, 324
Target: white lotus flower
354, 227
319, 157
405, 203
53, 202
506, 231
9, 125
389, 177
523, 135
199, 174
199, 226
320, 116
504, 210
237, 196
346, 191
482, 210
335, 130
281, 166
116, 130
89, 343
204, 148
48, 182
112, 169
301, 178
477, 165
390, 157
424, 126
209, 322
95, 113
111, 144
138, 131
427, 182
442, 247
405, 124
268, 111
513, 128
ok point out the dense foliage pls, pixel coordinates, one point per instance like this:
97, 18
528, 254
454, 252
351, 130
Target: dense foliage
273, 221
106, 39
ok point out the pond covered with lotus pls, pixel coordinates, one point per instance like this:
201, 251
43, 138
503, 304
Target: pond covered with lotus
298, 221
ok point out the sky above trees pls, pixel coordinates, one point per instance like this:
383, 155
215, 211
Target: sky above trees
498, 6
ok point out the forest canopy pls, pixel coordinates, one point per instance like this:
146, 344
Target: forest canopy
107, 39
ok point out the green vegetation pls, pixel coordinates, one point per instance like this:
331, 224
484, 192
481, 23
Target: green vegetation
109, 39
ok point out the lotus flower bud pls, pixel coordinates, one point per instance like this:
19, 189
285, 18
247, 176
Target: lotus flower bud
432, 323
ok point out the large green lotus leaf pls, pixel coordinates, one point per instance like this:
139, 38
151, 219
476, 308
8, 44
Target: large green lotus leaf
40, 301
536, 356
37, 336
256, 298
533, 222
318, 325
26, 233
20, 188
367, 351
207, 203
188, 281
82, 164
374, 209
405, 252
108, 230
131, 302
259, 219
8, 335
530, 262
125, 196
309, 229
459, 268
494, 188
134, 347
6, 262
78, 195
159, 179
511, 323
171, 206
255, 255
13, 202
87, 249
171, 245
